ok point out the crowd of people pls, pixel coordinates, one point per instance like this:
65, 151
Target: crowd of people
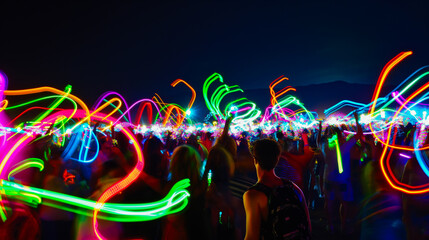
249, 186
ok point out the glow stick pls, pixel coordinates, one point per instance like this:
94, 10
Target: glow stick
333, 141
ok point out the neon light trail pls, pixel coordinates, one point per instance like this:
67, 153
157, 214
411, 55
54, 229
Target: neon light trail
88, 138
173, 202
333, 142
82, 146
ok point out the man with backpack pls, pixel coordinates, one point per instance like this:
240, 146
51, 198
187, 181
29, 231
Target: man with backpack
275, 207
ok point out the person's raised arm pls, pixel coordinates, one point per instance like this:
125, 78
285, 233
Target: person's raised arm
359, 132
226, 127
49, 131
112, 131
304, 137
308, 153
319, 134
94, 130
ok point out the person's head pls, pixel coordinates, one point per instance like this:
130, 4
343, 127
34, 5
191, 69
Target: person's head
266, 153
153, 157
153, 145
339, 134
243, 146
208, 135
280, 135
192, 141
221, 164
185, 163
228, 143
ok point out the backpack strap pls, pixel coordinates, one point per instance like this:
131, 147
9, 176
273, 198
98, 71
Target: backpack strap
295, 188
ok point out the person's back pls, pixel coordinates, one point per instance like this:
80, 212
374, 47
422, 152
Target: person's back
275, 208
287, 217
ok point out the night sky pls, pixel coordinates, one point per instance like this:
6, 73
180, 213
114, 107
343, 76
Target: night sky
139, 49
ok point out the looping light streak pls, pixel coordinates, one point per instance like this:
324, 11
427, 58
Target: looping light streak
3, 105
122, 184
83, 136
41, 99
47, 89
105, 95
169, 108
165, 107
412, 96
384, 161
174, 201
241, 116
98, 110
194, 94
30, 162
144, 101
180, 114
140, 112
143, 104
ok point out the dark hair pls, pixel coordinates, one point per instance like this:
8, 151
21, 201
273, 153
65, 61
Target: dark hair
208, 135
185, 163
154, 158
193, 141
280, 135
266, 153
243, 146
221, 163
228, 143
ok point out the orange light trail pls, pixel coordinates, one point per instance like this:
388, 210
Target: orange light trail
393, 182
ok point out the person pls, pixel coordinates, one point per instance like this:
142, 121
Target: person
185, 163
275, 208
244, 174
226, 141
206, 140
415, 206
156, 157
221, 207
110, 173
156, 165
55, 223
340, 152
292, 166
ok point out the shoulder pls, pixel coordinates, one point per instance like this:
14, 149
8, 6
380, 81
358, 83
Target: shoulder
253, 193
254, 196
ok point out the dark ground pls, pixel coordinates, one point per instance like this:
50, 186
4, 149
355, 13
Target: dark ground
319, 231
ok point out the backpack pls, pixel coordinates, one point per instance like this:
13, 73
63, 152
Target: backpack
287, 216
